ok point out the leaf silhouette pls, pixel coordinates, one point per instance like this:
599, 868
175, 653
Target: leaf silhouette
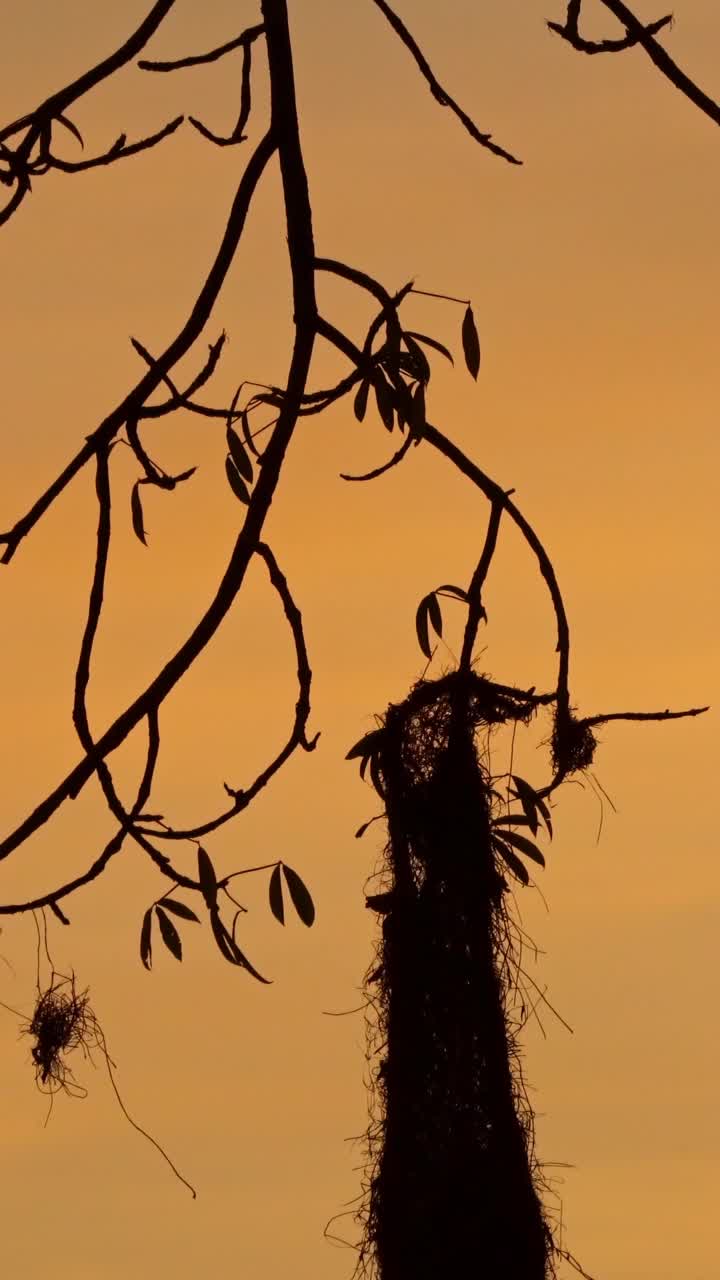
169, 934
237, 484
207, 878
300, 895
136, 512
383, 396
277, 905
517, 867
532, 804
247, 434
528, 847
376, 776
366, 745
185, 475
417, 410
434, 613
421, 626
471, 343
242, 960
179, 909
420, 360
238, 454
361, 399
449, 590
73, 129
512, 820
146, 939
222, 938
430, 342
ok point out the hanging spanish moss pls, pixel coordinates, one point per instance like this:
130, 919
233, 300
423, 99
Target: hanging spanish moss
453, 1185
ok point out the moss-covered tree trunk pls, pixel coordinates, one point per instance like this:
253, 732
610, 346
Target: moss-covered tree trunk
452, 1190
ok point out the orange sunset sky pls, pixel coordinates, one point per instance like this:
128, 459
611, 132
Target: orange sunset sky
593, 271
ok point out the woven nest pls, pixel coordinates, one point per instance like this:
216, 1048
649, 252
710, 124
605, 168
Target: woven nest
62, 1022
452, 1186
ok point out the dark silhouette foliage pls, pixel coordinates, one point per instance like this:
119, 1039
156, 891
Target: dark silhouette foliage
453, 1183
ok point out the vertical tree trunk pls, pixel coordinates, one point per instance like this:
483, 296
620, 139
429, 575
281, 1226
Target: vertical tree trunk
452, 1193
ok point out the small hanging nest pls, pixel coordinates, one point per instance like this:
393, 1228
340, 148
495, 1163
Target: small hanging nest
62, 1021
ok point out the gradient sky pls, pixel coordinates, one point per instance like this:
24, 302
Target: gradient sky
593, 270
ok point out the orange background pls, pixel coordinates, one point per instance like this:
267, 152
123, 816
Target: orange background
593, 273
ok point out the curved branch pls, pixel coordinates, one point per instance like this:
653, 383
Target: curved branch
637, 33
118, 151
285, 136
57, 103
179, 346
196, 60
439, 94
499, 498
297, 737
475, 606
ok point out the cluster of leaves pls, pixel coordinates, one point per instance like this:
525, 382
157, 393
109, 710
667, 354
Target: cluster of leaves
508, 843
429, 614
367, 751
225, 938
400, 371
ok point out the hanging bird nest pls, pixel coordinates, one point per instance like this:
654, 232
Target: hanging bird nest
62, 1022
452, 1182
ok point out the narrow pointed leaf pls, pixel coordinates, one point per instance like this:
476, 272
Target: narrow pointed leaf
73, 129
528, 847
178, 909
383, 396
361, 399
435, 613
207, 878
136, 512
419, 357
277, 906
169, 934
528, 800
421, 627
247, 434
237, 484
238, 454
417, 410
300, 895
222, 938
146, 939
185, 475
449, 590
366, 745
430, 342
517, 867
376, 776
512, 820
242, 960
471, 343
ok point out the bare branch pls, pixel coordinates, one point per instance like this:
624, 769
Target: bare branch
298, 735
475, 606
439, 94
643, 35
180, 345
643, 715
570, 32
120, 150
245, 39
58, 102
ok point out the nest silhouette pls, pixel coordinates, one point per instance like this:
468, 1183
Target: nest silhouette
62, 1022
452, 1185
